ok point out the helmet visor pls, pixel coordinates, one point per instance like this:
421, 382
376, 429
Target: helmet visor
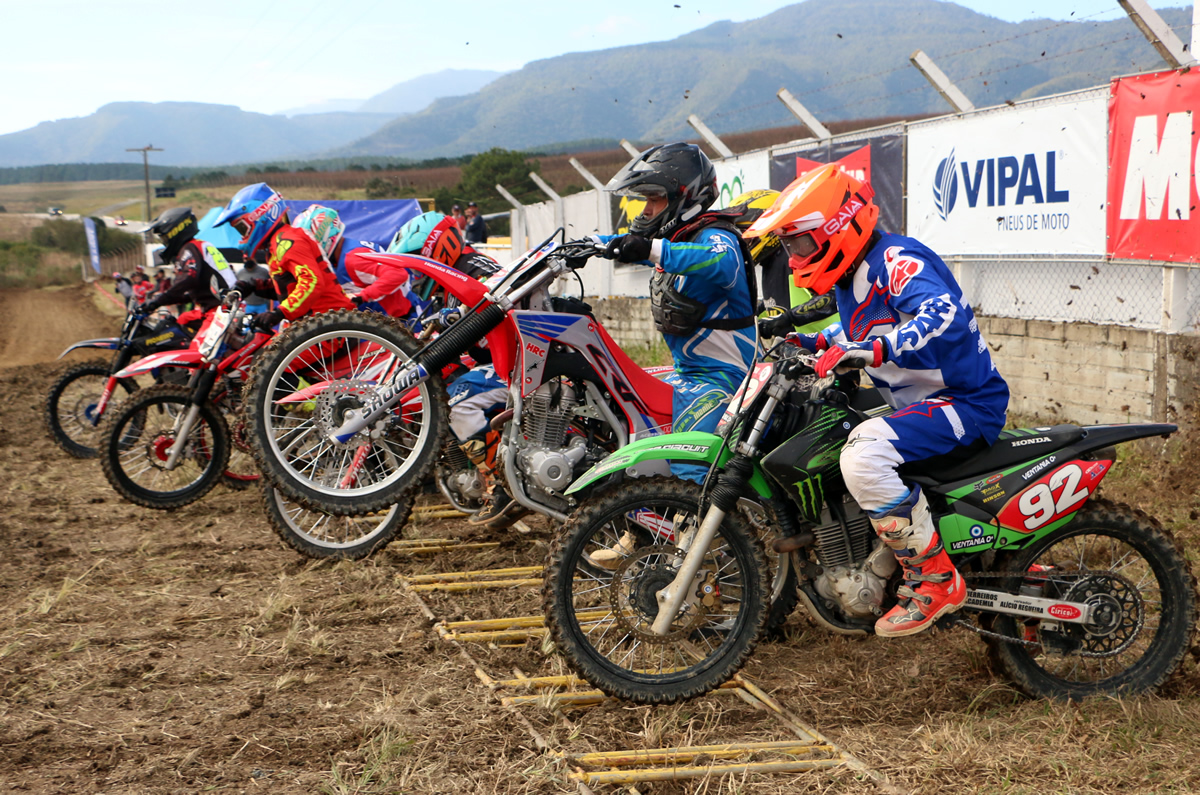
643, 191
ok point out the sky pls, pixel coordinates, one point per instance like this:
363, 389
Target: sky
65, 58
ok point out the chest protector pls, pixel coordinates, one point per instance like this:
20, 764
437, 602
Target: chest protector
676, 313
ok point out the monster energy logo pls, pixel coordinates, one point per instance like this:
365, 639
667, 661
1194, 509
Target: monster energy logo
809, 493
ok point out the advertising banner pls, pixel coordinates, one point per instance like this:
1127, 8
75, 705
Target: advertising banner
737, 175
89, 229
1152, 192
878, 160
1025, 180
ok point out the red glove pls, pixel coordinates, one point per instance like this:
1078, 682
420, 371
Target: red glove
845, 355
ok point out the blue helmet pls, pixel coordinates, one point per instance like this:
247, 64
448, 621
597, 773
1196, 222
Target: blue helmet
255, 211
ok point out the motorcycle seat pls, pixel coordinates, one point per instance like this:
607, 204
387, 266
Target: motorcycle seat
657, 395
1011, 448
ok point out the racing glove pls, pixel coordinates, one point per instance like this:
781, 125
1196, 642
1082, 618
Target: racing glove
149, 306
628, 248
841, 356
814, 309
776, 326
266, 321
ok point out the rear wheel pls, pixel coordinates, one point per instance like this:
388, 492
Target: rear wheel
73, 403
600, 606
137, 438
322, 535
345, 355
1142, 594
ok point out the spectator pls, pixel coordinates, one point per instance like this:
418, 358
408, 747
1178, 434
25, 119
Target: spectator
123, 286
253, 272
161, 282
476, 229
457, 214
141, 287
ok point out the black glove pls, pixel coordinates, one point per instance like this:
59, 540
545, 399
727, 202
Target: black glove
244, 287
776, 326
149, 306
628, 248
356, 300
815, 309
266, 321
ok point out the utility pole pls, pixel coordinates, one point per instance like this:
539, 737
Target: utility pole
146, 150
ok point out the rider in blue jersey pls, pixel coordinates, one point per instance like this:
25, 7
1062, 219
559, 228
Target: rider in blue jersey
904, 318
700, 294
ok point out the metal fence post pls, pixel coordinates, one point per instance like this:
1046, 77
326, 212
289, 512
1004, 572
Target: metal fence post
1175, 293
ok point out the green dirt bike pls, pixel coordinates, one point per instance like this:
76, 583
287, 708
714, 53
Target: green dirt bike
1074, 596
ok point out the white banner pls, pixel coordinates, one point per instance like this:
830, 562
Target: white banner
1027, 180
739, 174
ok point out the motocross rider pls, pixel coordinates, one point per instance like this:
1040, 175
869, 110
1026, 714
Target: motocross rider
297, 264
475, 396
203, 273
701, 293
905, 319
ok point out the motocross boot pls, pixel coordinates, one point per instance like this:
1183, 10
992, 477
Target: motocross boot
611, 557
932, 586
499, 509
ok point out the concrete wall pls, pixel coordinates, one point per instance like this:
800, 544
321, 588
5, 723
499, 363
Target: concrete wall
1058, 372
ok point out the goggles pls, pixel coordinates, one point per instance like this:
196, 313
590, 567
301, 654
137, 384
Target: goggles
803, 245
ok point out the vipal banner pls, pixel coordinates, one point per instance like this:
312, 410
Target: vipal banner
1152, 193
1029, 180
89, 230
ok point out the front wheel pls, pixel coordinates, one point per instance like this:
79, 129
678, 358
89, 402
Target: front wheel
606, 567
1142, 593
136, 441
321, 535
300, 390
72, 407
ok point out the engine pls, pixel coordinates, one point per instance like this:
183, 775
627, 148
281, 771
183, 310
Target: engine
545, 456
856, 566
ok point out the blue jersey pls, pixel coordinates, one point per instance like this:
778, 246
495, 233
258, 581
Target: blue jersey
710, 269
904, 294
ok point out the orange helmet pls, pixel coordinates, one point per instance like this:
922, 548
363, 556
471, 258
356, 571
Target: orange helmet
824, 220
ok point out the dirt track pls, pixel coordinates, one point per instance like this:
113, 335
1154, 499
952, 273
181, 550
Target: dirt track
37, 325
147, 652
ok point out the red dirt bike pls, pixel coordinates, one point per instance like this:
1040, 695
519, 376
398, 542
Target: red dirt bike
77, 401
170, 444
372, 434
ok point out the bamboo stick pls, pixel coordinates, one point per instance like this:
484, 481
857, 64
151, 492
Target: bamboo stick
678, 773
658, 756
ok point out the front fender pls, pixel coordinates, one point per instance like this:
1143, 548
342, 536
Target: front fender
106, 343
693, 447
181, 358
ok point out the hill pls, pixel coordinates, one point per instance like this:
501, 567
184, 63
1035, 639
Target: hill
843, 59
191, 133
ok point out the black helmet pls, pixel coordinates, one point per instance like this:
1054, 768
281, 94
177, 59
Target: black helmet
681, 172
174, 228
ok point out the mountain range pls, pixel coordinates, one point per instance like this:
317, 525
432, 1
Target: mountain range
843, 59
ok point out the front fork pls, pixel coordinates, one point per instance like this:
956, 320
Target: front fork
120, 362
202, 388
730, 486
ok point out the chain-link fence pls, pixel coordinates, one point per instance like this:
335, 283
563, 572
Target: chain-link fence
1075, 289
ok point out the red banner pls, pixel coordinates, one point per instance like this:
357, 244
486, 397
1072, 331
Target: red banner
1153, 207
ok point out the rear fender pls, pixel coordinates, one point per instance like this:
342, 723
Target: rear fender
692, 447
182, 358
1015, 507
105, 343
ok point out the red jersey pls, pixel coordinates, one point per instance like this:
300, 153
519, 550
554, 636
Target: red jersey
301, 272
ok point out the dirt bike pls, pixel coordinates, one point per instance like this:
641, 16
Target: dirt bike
169, 445
375, 432
1074, 596
321, 535
77, 401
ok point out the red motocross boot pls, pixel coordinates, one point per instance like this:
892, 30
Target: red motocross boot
932, 586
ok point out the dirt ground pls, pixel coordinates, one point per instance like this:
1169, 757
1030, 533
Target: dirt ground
189, 651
